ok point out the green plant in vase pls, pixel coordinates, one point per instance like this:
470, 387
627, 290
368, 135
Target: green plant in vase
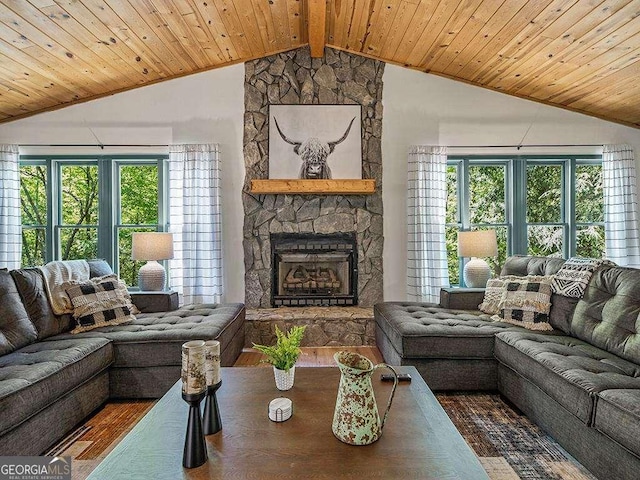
283, 355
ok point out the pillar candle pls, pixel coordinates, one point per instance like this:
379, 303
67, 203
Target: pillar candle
212, 361
193, 367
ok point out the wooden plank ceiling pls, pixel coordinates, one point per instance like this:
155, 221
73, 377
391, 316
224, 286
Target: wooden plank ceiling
583, 55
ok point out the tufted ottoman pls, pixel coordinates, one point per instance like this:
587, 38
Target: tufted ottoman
452, 349
147, 352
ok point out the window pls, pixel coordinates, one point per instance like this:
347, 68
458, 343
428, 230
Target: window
34, 211
537, 205
89, 207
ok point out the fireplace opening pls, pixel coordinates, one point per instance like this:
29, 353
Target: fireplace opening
314, 269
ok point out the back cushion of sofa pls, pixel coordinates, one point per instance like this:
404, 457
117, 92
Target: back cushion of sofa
16, 329
608, 314
523, 265
561, 307
99, 268
30, 284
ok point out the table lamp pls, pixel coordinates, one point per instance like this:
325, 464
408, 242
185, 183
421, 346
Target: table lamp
152, 246
474, 244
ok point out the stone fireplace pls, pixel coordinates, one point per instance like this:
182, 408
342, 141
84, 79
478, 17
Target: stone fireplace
293, 77
314, 269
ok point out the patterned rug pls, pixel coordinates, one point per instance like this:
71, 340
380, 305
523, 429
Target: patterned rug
507, 443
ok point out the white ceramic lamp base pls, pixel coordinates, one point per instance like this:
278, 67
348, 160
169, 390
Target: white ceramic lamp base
476, 273
151, 277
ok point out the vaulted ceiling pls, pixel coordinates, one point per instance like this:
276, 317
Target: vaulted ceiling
583, 55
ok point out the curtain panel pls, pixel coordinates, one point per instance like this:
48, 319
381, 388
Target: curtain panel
426, 216
10, 221
620, 205
195, 221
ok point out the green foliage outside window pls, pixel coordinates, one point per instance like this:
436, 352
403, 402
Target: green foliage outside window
79, 204
33, 200
487, 210
546, 223
138, 206
79, 209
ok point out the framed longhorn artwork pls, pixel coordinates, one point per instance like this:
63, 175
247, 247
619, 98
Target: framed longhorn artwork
315, 142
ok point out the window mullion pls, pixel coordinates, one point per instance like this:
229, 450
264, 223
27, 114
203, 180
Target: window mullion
464, 195
519, 206
105, 209
570, 217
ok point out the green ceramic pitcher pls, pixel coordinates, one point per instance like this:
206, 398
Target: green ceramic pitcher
356, 420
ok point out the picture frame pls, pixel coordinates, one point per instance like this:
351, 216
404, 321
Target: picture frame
315, 142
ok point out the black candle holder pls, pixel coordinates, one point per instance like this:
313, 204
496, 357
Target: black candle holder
195, 448
212, 422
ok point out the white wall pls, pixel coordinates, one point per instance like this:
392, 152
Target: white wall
422, 109
203, 108
418, 109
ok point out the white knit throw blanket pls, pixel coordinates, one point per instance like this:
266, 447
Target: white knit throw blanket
58, 272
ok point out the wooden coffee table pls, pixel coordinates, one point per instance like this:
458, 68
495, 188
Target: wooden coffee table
418, 442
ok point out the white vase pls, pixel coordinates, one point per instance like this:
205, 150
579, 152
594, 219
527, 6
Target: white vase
284, 378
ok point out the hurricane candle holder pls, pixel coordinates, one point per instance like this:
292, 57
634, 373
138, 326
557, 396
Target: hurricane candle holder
212, 422
193, 391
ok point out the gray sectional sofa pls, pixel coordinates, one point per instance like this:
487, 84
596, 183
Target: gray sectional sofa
579, 382
51, 380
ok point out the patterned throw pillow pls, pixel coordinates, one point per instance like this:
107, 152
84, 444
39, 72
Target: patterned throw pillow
495, 289
574, 275
527, 303
99, 302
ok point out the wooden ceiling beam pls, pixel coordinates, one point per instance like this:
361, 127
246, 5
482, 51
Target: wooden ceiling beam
316, 17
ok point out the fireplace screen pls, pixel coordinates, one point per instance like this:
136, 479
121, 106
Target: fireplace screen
312, 269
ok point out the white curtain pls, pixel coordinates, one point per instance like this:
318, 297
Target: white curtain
427, 206
194, 219
620, 205
10, 222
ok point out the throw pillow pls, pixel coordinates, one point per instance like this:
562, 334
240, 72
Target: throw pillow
122, 288
574, 275
99, 302
527, 303
495, 288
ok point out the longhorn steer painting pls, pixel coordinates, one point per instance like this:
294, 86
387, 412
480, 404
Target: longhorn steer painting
315, 141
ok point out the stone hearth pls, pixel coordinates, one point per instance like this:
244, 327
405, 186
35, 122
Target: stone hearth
326, 326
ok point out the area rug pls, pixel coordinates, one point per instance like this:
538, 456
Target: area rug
507, 443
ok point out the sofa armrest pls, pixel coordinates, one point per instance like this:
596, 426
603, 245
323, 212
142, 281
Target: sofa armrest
461, 298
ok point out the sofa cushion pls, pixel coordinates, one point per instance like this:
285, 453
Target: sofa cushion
618, 417
423, 330
16, 329
155, 339
608, 316
99, 268
36, 375
522, 265
567, 369
562, 309
30, 284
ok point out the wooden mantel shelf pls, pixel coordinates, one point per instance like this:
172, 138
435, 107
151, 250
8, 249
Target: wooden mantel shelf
310, 187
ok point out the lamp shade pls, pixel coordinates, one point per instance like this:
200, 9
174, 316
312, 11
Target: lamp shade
477, 243
152, 246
